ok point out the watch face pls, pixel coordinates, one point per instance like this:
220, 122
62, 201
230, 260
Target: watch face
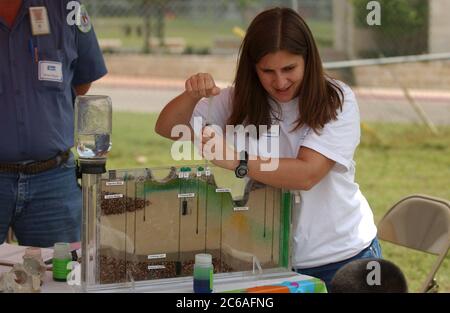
241, 172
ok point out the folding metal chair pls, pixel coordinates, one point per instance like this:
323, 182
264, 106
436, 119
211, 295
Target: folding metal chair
422, 223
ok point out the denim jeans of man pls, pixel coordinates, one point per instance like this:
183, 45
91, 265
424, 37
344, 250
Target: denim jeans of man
43, 208
326, 272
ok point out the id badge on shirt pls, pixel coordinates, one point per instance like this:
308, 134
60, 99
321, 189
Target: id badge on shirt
39, 21
50, 71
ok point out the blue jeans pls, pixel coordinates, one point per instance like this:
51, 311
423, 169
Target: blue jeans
326, 272
42, 208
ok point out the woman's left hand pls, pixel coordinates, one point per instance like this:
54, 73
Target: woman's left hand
216, 149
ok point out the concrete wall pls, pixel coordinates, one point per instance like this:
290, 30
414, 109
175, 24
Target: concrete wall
342, 27
439, 28
425, 75
222, 68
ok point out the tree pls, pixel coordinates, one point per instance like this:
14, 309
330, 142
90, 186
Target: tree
152, 8
403, 29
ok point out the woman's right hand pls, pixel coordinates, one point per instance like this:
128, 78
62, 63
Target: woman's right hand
201, 85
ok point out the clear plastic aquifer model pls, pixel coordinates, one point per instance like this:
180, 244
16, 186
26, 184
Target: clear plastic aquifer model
144, 226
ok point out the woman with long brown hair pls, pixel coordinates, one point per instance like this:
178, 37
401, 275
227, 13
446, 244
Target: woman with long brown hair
280, 83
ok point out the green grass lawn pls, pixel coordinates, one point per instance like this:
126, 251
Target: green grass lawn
393, 160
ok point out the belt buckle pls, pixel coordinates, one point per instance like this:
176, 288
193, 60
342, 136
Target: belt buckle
24, 168
58, 160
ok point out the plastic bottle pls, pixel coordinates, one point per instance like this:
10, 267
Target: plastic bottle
203, 273
61, 258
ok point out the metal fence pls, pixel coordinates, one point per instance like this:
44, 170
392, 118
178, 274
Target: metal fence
320, 9
214, 26
189, 26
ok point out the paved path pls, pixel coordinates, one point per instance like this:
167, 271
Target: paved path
387, 105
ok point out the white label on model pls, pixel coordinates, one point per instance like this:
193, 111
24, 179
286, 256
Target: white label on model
157, 256
116, 196
223, 190
186, 195
115, 183
241, 208
156, 267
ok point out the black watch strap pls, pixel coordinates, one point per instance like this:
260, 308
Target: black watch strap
243, 157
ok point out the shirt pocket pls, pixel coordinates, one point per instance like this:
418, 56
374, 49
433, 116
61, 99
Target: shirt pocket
49, 70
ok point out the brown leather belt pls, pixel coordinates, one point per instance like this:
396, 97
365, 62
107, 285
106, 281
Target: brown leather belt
35, 167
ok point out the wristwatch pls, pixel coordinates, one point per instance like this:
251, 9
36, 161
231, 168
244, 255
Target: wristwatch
242, 170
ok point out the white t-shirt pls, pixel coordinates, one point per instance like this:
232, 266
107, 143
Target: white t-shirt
332, 221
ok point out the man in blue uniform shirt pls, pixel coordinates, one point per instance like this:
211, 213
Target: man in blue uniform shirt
45, 61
